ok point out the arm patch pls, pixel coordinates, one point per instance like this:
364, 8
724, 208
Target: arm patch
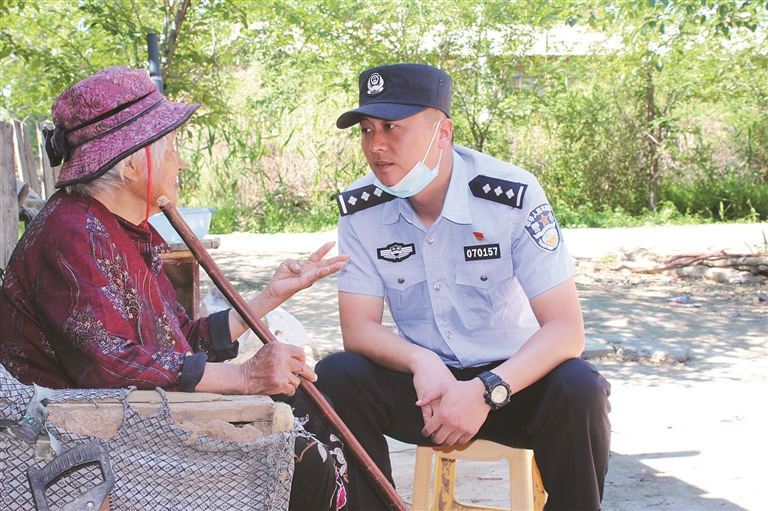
352, 201
542, 227
493, 189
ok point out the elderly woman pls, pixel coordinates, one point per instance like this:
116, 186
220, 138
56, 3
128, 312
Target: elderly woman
85, 302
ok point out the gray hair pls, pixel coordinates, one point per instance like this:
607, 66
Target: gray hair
114, 178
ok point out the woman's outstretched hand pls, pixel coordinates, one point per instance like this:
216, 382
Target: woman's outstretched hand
292, 276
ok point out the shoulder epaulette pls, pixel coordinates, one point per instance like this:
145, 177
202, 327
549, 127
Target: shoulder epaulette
359, 199
504, 192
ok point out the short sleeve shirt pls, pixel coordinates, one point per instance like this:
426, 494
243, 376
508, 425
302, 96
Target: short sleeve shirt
461, 287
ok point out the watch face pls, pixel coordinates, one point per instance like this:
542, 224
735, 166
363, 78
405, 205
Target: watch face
499, 394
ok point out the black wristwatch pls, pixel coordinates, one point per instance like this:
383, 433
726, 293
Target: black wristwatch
497, 391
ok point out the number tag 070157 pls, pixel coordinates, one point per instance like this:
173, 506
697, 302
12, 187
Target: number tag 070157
480, 252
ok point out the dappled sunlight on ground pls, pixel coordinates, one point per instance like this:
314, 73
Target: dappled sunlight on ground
685, 435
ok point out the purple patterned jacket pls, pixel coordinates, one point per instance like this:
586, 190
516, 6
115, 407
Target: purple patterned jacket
85, 304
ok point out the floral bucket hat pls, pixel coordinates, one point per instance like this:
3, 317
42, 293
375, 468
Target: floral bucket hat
106, 117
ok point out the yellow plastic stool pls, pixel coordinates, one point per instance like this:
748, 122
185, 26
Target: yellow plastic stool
525, 488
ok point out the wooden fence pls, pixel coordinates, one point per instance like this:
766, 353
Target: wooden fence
25, 182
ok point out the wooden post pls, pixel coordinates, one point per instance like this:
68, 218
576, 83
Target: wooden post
24, 156
50, 174
9, 204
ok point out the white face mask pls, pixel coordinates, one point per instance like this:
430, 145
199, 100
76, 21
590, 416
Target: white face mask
417, 179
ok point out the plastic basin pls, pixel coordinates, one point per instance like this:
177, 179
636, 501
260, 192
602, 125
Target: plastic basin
198, 219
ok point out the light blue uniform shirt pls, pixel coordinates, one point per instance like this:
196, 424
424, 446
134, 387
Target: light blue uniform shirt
462, 287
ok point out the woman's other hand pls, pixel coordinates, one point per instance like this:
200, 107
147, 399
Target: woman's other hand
276, 368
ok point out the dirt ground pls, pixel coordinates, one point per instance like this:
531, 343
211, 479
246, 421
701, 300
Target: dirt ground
686, 435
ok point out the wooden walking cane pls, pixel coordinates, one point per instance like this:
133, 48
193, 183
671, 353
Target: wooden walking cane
241, 306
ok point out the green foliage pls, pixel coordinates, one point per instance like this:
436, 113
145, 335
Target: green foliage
588, 164
664, 118
587, 215
659, 17
278, 212
729, 197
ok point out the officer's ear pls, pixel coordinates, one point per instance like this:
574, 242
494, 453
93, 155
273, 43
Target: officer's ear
445, 133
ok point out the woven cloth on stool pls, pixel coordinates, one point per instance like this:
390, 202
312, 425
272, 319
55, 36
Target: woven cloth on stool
156, 464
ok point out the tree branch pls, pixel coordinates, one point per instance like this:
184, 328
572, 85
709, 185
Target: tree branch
169, 45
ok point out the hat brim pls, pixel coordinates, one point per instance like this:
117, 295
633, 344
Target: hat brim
97, 156
384, 111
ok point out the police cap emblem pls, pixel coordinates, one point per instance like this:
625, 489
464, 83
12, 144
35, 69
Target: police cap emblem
375, 84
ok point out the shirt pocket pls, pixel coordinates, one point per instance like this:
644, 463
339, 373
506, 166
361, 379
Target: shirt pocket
477, 283
406, 290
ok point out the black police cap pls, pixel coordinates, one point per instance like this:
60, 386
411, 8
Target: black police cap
398, 91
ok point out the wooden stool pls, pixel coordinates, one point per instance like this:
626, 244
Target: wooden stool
526, 490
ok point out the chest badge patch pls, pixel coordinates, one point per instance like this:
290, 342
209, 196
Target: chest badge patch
396, 252
542, 227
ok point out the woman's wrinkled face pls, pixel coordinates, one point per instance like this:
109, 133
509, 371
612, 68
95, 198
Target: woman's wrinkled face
165, 179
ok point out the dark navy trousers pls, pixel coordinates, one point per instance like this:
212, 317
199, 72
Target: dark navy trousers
563, 417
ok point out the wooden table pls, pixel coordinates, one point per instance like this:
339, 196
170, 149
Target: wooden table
184, 273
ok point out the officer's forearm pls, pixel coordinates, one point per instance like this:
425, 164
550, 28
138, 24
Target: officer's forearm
364, 334
379, 344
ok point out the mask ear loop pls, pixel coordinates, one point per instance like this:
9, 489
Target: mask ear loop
437, 128
145, 223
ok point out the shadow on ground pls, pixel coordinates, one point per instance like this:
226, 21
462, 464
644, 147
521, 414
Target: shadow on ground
723, 323
686, 436
632, 483
653, 489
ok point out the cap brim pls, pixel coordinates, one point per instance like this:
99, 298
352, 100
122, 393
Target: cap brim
97, 156
385, 111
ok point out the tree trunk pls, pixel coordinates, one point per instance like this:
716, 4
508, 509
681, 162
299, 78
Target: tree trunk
653, 141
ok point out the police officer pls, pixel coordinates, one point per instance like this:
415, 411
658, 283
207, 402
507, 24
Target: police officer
467, 253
